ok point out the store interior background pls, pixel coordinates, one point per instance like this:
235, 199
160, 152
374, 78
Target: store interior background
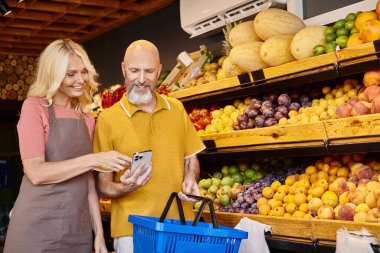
106, 52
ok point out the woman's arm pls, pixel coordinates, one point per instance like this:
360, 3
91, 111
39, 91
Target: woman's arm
93, 203
41, 172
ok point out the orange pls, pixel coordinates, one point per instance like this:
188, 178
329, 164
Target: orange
363, 17
370, 30
378, 8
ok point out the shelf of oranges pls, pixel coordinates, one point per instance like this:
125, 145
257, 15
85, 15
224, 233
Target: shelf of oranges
307, 228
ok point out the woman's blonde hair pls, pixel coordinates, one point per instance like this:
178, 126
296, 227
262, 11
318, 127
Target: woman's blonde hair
51, 70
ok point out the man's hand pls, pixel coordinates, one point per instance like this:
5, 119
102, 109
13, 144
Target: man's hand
189, 186
139, 178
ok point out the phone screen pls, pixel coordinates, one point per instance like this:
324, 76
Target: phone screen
139, 157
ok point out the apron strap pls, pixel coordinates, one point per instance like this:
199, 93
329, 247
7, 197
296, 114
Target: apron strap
51, 114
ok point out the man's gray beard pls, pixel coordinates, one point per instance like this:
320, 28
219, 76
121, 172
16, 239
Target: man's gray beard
139, 98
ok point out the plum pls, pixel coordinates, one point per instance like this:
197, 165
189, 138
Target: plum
283, 109
304, 99
270, 122
253, 112
260, 120
306, 104
256, 104
284, 99
272, 98
243, 125
266, 103
250, 123
242, 118
294, 106
279, 115
295, 95
268, 112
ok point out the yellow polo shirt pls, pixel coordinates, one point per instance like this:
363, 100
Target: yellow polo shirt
169, 133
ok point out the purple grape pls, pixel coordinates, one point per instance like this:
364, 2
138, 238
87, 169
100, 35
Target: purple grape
284, 99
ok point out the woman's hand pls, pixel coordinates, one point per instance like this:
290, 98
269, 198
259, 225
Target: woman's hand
112, 161
99, 244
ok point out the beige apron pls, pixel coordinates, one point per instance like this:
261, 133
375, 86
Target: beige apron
54, 217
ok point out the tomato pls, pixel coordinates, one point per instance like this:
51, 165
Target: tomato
204, 112
206, 121
198, 126
192, 117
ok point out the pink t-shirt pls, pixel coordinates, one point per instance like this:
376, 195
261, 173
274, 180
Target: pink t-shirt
33, 126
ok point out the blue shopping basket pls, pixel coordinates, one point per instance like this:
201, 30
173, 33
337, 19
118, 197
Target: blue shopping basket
160, 235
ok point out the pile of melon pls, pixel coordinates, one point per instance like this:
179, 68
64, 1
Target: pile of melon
273, 38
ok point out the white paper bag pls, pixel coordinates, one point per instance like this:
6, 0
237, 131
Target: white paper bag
354, 241
256, 240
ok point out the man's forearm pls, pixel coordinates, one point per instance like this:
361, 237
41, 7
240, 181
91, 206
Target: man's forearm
192, 167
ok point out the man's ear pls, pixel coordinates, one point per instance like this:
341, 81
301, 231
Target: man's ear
159, 71
123, 69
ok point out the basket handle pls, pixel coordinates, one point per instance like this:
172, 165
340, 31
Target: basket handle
180, 209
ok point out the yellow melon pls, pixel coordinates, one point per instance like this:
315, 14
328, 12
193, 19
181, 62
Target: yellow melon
306, 39
276, 50
231, 69
247, 56
243, 32
272, 22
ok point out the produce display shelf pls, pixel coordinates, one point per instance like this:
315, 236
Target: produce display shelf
358, 58
307, 229
334, 65
352, 134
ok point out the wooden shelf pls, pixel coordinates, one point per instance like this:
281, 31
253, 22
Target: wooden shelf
353, 134
297, 227
345, 62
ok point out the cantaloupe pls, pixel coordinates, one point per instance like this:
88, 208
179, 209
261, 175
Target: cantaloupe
243, 32
276, 50
231, 69
306, 39
272, 22
247, 56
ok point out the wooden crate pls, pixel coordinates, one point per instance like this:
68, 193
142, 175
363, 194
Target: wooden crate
310, 134
357, 54
365, 128
303, 228
302, 67
188, 65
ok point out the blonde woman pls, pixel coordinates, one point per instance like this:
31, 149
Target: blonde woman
57, 208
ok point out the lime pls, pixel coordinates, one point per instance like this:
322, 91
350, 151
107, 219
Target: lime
339, 24
351, 17
342, 41
342, 31
349, 25
330, 46
330, 37
319, 49
353, 30
329, 30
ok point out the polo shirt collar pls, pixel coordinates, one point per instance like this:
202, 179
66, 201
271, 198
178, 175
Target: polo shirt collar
130, 109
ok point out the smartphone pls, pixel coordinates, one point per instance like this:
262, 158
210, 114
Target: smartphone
138, 158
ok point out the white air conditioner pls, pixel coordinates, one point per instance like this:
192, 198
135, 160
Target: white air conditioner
205, 16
